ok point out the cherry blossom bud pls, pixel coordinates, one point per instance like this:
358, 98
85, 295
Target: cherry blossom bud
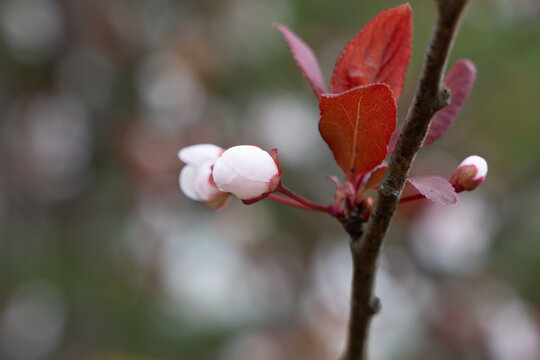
196, 177
469, 174
246, 171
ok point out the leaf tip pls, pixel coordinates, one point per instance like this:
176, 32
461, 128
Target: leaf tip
304, 57
406, 8
380, 52
468, 66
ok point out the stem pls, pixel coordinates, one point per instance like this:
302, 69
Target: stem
309, 204
365, 245
287, 201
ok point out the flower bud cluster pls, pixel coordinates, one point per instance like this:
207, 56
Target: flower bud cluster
211, 174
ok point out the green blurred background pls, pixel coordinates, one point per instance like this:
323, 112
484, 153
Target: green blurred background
102, 257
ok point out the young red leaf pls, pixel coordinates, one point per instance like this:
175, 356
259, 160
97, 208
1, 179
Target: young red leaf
459, 80
357, 125
374, 178
379, 53
305, 59
435, 188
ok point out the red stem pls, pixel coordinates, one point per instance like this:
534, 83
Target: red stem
309, 204
286, 201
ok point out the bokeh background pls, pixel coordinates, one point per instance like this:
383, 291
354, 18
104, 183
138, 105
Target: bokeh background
102, 257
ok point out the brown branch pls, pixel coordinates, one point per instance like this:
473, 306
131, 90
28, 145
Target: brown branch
431, 96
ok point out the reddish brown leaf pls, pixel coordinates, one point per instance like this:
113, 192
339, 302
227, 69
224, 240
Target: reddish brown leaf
357, 125
305, 59
459, 81
374, 178
435, 188
379, 53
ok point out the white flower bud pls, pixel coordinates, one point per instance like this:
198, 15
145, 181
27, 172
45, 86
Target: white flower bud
469, 174
195, 178
246, 171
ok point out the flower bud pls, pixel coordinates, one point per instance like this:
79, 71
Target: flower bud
195, 178
246, 171
469, 174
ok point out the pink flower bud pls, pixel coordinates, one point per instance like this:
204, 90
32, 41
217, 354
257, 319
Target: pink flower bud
195, 178
246, 171
469, 174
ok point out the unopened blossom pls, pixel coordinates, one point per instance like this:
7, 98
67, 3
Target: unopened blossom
196, 177
470, 173
246, 171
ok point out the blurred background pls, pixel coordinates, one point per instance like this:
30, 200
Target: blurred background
102, 257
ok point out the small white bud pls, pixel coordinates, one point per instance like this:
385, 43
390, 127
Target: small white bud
246, 171
470, 173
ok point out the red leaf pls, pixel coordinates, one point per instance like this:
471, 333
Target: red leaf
357, 126
374, 178
459, 80
305, 59
435, 188
379, 53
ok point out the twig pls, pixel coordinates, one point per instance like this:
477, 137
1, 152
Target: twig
430, 97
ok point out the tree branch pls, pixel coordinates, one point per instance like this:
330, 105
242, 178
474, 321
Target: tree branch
431, 96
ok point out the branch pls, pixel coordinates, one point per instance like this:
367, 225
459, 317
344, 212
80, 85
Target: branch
431, 96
